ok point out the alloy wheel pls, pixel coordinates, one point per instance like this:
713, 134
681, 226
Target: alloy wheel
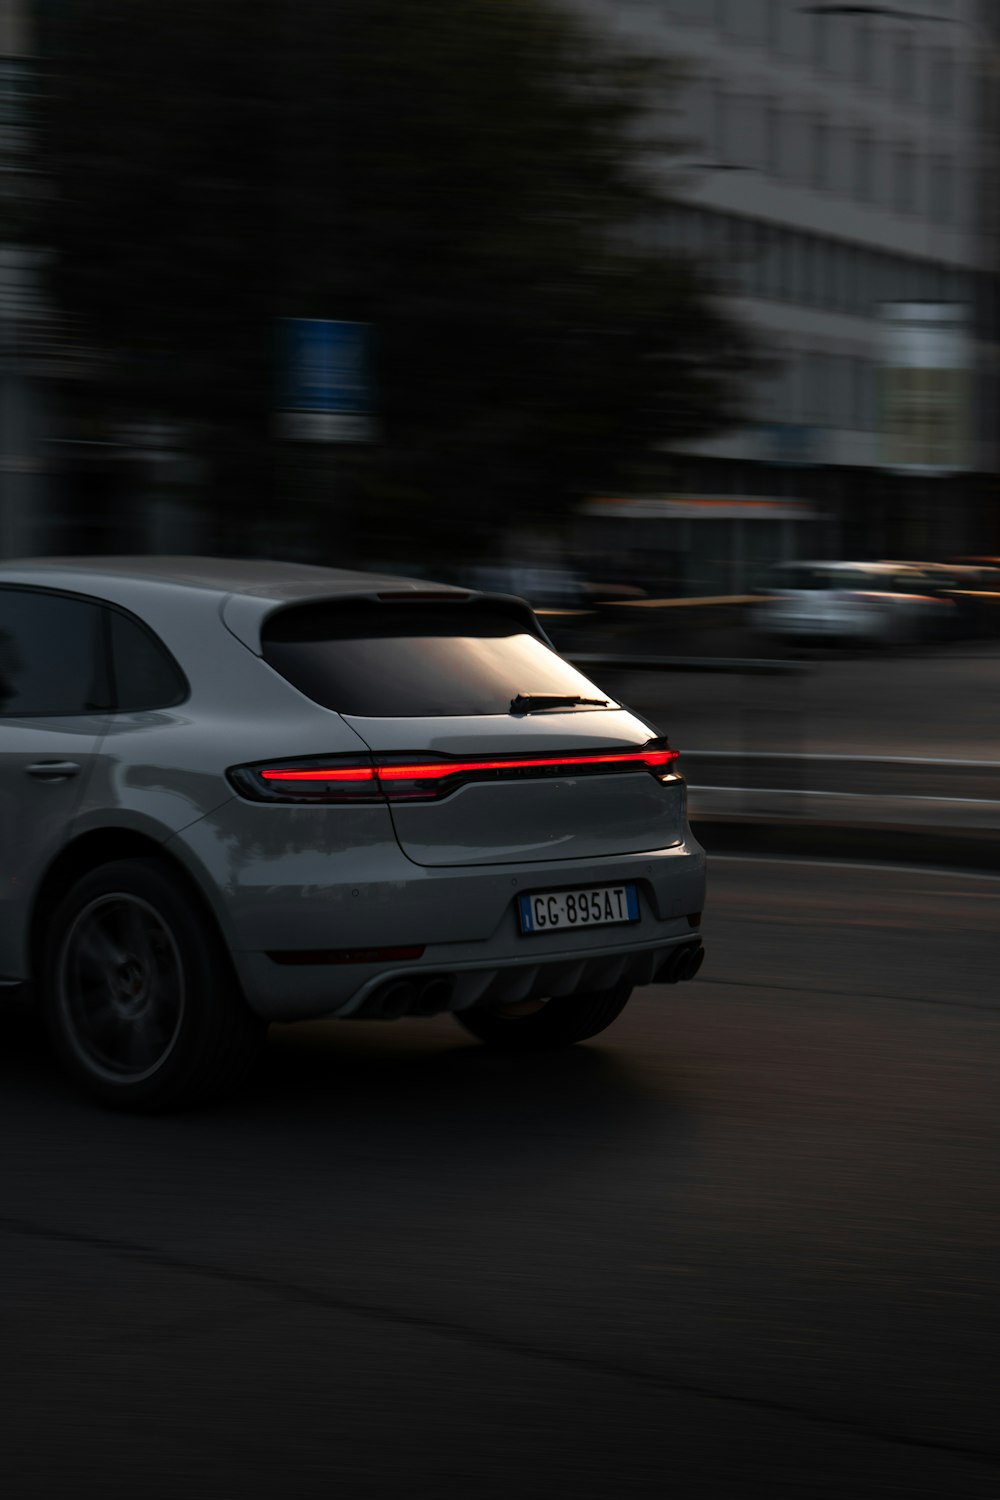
121, 987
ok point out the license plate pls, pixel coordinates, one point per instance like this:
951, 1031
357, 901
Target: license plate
601, 906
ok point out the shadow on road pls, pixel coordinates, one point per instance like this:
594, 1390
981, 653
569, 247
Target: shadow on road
419, 1089
415, 1078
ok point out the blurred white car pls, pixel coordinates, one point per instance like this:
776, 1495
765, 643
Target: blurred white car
861, 602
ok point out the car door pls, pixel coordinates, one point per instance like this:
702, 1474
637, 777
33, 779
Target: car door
54, 695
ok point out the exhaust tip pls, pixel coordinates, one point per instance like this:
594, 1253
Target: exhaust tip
683, 963
395, 999
667, 972
690, 962
435, 996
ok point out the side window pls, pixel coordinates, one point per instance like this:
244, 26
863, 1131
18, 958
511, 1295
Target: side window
51, 656
145, 674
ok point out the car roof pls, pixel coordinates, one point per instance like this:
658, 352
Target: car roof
250, 577
243, 592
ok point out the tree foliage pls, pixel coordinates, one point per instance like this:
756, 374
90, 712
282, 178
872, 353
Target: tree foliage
476, 178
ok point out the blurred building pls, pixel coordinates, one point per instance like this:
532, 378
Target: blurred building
22, 315
67, 481
840, 159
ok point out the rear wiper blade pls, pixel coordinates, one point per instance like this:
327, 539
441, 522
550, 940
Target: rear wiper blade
529, 703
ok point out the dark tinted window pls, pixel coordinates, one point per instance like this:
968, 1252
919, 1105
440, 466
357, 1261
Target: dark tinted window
145, 674
414, 660
51, 655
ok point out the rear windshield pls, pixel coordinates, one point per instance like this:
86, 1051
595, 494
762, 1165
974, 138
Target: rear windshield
413, 660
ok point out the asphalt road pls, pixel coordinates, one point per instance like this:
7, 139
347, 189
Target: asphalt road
745, 1243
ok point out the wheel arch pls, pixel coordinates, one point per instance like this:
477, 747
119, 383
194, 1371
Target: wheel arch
90, 850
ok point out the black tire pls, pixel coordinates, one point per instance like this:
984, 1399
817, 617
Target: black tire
139, 996
536, 1027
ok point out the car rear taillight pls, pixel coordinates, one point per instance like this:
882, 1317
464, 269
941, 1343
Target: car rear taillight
337, 779
401, 778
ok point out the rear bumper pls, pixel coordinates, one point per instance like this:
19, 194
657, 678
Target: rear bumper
463, 918
433, 986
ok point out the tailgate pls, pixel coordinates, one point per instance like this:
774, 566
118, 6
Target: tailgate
534, 811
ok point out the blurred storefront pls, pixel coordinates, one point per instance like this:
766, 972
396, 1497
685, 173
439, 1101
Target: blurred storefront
698, 545
838, 159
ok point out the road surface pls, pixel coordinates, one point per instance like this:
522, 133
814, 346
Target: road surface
746, 1242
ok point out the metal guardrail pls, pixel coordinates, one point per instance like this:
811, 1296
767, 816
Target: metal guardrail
919, 791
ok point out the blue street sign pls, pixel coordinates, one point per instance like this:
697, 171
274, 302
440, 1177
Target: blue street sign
326, 377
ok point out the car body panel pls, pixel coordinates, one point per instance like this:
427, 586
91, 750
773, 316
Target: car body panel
566, 818
37, 816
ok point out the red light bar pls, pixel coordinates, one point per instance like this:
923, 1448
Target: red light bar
437, 770
420, 780
328, 773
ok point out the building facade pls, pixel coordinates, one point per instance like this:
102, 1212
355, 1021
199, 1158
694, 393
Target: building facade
23, 492
837, 161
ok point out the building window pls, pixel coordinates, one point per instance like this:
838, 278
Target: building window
863, 47
862, 395
692, 227
959, 287
817, 388
845, 264
830, 272
770, 261
904, 182
810, 271
819, 167
720, 125
942, 83
904, 68
937, 283
942, 195
773, 154
863, 168
691, 12
841, 393
742, 256
912, 282
746, 127
724, 253
850, 274
892, 283
787, 265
